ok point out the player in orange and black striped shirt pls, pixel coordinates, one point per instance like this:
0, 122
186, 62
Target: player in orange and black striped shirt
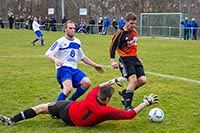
125, 43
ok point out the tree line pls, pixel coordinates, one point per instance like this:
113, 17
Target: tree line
97, 8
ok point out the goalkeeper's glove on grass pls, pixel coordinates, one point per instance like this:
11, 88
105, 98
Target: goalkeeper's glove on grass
151, 99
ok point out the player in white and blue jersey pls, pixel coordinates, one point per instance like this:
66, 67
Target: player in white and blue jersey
36, 28
66, 52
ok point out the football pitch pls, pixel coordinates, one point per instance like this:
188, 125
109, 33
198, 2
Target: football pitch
172, 68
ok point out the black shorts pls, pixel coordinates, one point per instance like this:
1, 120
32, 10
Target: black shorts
131, 65
60, 110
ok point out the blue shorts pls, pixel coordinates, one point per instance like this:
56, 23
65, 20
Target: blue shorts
38, 33
75, 75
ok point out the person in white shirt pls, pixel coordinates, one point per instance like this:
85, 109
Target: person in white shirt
36, 28
66, 52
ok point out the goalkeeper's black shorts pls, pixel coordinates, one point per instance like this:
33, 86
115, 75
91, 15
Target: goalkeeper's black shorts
60, 110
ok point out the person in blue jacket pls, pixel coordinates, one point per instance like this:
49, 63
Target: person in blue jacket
194, 26
186, 25
106, 23
121, 23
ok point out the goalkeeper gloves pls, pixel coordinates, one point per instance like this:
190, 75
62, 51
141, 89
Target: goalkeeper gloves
151, 99
117, 81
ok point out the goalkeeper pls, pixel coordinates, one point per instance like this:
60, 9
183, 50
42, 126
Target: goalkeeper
88, 112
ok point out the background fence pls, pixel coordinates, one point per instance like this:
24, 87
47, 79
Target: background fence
144, 31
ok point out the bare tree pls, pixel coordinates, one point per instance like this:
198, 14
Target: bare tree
96, 8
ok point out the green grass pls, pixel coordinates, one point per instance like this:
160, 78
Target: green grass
27, 78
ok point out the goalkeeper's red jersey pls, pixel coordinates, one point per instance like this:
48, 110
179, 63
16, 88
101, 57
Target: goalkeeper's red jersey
90, 111
125, 43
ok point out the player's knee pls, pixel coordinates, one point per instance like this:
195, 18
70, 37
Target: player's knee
86, 83
41, 109
67, 90
133, 79
142, 80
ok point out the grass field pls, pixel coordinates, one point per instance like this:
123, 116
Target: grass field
172, 68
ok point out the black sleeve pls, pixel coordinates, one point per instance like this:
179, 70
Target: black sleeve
115, 43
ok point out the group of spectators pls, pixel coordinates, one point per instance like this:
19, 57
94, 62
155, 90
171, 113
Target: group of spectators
90, 27
190, 29
22, 23
102, 24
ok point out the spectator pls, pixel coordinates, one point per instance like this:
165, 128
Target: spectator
82, 28
21, 22
106, 23
115, 25
53, 23
63, 21
194, 26
11, 21
1, 23
17, 23
26, 25
100, 24
30, 21
122, 22
46, 23
91, 25
41, 22
186, 25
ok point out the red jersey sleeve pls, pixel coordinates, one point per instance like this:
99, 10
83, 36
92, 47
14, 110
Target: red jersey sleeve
111, 113
93, 93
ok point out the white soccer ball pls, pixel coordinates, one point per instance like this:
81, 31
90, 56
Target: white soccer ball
156, 115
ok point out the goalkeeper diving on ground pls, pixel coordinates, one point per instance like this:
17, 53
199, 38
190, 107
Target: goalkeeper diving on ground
90, 111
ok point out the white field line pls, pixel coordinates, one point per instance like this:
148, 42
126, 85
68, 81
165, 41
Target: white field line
107, 66
174, 77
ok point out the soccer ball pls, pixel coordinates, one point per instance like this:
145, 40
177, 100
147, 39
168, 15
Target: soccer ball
156, 115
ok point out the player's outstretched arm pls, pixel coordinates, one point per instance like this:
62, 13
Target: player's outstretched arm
88, 61
148, 100
118, 81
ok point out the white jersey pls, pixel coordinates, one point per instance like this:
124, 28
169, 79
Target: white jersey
35, 26
70, 52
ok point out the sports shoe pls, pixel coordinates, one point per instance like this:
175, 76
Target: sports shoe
123, 96
6, 120
33, 43
129, 107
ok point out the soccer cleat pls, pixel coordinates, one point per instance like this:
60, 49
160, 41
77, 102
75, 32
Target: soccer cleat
6, 120
129, 107
33, 43
123, 96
